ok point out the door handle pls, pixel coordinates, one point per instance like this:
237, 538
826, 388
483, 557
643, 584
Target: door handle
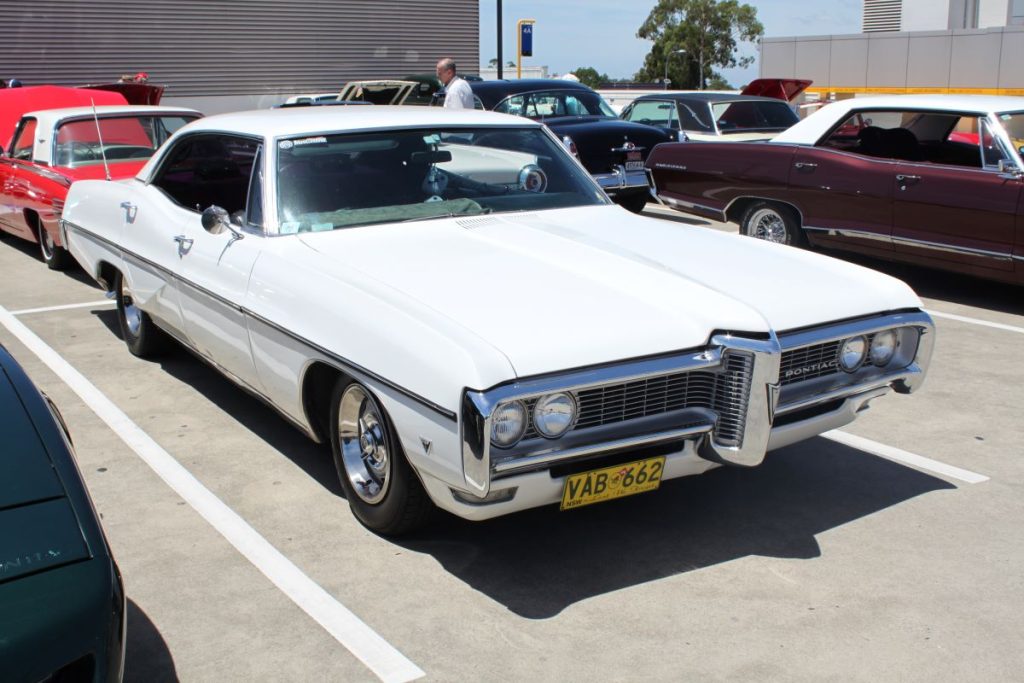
802, 165
130, 211
907, 179
184, 244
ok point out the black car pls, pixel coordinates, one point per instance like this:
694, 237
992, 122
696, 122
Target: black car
760, 112
62, 603
612, 150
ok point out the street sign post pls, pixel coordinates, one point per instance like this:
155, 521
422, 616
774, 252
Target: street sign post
525, 33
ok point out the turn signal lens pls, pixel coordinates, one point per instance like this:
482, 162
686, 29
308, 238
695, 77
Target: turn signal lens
508, 423
851, 356
554, 414
883, 347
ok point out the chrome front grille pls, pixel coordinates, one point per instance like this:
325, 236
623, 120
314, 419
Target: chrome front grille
725, 392
817, 360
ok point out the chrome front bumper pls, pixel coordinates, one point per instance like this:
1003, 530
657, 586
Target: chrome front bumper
767, 403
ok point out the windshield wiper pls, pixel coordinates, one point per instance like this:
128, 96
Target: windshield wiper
449, 214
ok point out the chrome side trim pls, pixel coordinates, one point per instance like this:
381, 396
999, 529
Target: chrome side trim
553, 455
845, 232
686, 206
344, 363
963, 251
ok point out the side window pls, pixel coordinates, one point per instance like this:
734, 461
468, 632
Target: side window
880, 134
654, 113
24, 139
515, 105
209, 169
992, 150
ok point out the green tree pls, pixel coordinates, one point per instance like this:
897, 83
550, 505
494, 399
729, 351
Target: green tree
708, 30
590, 76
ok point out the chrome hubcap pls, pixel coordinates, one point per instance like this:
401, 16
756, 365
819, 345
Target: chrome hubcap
132, 314
365, 451
768, 225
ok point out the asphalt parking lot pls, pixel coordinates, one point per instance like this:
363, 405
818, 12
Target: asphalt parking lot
890, 551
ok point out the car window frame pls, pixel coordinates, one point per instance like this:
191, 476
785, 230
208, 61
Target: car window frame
989, 116
17, 133
174, 142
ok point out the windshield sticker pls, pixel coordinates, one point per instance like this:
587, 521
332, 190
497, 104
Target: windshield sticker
290, 227
285, 144
321, 140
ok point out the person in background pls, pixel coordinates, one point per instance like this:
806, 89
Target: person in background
458, 94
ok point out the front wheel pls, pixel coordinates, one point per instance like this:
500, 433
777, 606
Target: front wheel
772, 223
143, 338
633, 202
382, 490
56, 258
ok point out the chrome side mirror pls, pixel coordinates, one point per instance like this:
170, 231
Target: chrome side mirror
216, 220
1009, 170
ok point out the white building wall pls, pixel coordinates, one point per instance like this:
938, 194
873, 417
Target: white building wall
925, 15
993, 13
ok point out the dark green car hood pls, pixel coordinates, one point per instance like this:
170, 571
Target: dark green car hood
38, 527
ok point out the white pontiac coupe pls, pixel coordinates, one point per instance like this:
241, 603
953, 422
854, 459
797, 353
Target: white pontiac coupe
450, 300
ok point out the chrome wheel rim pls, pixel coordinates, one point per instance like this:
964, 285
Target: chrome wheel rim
365, 448
132, 314
46, 243
767, 225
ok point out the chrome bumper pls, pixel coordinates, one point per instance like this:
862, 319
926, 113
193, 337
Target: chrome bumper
621, 179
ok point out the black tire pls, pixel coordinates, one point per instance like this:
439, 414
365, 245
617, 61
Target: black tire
633, 202
392, 502
55, 258
773, 223
143, 338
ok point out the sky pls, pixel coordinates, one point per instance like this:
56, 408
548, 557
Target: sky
602, 33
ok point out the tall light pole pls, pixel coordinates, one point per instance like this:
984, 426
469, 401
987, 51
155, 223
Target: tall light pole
667, 58
500, 74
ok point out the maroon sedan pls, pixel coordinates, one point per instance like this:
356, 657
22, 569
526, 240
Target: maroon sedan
928, 179
53, 147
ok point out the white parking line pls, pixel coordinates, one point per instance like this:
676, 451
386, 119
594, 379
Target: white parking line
370, 648
904, 457
66, 307
976, 321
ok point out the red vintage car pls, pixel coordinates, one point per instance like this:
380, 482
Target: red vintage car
53, 147
929, 179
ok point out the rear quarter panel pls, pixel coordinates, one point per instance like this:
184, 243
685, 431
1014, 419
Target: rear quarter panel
94, 222
704, 177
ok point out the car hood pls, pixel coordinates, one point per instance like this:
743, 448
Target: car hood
574, 287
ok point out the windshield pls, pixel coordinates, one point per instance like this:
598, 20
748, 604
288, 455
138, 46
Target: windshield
78, 143
751, 115
540, 105
1013, 122
336, 181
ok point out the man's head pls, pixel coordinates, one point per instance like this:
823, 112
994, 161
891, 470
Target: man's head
446, 70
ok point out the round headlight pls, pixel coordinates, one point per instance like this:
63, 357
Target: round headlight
554, 414
852, 354
508, 423
883, 347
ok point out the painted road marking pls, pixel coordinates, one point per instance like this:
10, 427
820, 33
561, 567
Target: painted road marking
904, 457
976, 321
66, 307
370, 648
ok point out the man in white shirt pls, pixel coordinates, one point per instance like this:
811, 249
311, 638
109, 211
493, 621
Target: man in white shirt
458, 94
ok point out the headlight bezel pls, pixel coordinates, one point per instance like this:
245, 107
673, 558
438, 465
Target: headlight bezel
573, 415
520, 432
865, 349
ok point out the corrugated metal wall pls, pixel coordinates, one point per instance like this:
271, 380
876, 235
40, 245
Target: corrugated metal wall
234, 46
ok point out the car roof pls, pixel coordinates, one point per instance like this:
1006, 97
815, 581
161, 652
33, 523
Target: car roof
820, 122
318, 120
708, 97
47, 118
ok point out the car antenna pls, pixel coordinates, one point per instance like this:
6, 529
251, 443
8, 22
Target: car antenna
103, 154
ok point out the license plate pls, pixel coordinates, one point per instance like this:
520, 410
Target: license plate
597, 486
634, 165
